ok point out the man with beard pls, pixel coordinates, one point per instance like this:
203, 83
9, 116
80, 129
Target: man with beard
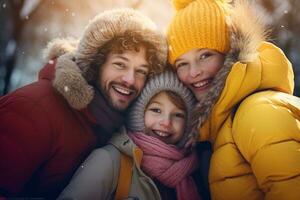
47, 128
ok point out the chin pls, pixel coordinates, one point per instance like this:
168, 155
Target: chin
120, 107
200, 95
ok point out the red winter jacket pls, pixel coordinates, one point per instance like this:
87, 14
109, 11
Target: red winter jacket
42, 139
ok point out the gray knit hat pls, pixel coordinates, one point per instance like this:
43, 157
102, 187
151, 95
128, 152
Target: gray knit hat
116, 23
166, 81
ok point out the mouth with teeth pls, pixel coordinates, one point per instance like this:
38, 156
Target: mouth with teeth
122, 91
203, 84
162, 134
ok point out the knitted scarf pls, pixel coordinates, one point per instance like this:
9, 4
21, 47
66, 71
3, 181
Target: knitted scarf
168, 164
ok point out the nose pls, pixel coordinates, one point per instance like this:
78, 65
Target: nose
195, 70
165, 122
128, 77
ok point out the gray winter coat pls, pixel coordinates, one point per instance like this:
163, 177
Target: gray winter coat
98, 176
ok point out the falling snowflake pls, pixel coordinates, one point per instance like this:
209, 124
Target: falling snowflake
66, 88
51, 62
45, 29
4, 5
67, 10
73, 14
282, 26
285, 12
26, 17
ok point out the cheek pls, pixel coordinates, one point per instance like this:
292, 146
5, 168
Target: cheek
106, 74
102, 79
140, 83
215, 66
212, 69
149, 120
179, 127
182, 76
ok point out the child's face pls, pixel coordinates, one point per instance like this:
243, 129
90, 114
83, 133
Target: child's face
164, 120
197, 69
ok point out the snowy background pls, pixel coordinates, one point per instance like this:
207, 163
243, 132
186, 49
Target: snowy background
27, 25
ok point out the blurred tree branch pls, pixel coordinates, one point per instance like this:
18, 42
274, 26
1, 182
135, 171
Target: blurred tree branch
13, 12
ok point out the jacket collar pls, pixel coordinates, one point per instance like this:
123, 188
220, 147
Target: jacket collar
59, 71
247, 34
125, 145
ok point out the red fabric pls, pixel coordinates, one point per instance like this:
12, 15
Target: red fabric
168, 165
42, 139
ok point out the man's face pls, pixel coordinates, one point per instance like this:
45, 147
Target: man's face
123, 76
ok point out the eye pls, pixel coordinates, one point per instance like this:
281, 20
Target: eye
119, 65
180, 65
155, 110
142, 72
180, 115
204, 56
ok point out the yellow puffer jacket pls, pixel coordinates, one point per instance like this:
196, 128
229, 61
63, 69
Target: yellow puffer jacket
257, 148
253, 121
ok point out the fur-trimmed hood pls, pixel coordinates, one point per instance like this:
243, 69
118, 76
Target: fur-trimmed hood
74, 56
250, 66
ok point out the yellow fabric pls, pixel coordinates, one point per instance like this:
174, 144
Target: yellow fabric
194, 20
125, 175
257, 149
138, 155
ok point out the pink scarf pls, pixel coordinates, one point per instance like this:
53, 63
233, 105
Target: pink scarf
168, 165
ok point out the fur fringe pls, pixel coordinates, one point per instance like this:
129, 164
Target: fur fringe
247, 32
248, 29
58, 47
70, 83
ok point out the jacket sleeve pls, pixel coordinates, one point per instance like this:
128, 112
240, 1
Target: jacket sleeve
267, 134
95, 179
25, 141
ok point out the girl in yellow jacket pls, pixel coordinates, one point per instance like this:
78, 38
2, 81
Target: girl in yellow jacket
245, 107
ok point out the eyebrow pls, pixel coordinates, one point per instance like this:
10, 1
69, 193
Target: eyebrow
154, 102
197, 51
122, 57
145, 66
179, 59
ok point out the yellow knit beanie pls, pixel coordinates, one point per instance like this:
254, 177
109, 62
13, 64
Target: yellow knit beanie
198, 24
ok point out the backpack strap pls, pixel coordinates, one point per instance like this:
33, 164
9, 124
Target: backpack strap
125, 175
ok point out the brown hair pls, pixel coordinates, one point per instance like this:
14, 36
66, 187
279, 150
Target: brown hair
129, 41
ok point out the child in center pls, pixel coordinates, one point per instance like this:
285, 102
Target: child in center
157, 130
